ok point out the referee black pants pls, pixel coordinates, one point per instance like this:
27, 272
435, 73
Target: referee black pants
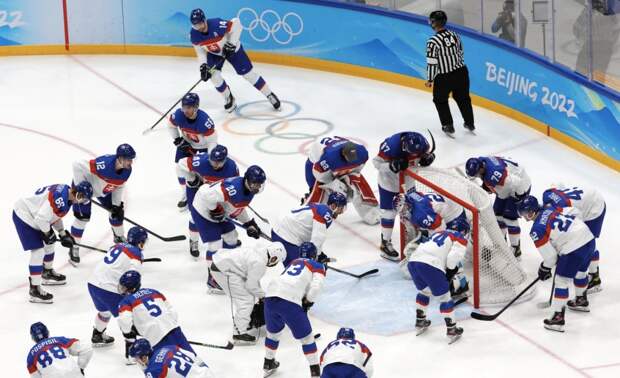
457, 83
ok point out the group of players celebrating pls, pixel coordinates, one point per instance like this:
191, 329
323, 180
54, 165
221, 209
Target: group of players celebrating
565, 226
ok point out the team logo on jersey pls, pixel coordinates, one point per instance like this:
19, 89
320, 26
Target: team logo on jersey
269, 24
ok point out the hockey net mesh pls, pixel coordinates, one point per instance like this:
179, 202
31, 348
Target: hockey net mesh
496, 274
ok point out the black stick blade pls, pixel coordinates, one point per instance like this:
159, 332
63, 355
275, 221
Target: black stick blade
175, 238
479, 316
372, 271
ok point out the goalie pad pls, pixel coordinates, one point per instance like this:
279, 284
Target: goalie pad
360, 186
318, 194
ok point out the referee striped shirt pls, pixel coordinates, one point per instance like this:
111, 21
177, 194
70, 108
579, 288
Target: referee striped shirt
444, 53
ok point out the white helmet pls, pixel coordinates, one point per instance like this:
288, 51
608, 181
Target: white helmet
275, 253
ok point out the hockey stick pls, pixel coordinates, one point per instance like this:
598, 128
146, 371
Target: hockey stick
372, 271
237, 223
258, 215
433, 140
547, 304
479, 316
228, 346
151, 259
172, 107
164, 238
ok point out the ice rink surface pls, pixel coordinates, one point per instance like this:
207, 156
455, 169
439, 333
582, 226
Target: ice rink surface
54, 110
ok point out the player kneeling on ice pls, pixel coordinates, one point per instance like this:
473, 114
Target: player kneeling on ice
203, 168
192, 131
308, 224
238, 272
335, 165
168, 361
511, 184
397, 153
216, 204
48, 357
217, 41
35, 218
592, 207
432, 266
147, 313
346, 357
107, 175
103, 284
287, 301
564, 241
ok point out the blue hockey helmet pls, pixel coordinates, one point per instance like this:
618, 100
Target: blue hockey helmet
219, 153
337, 198
460, 224
255, 178
472, 166
307, 250
197, 16
140, 348
413, 143
527, 205
136, 235
85, 189
346, 333
131, 281
38, 332
126, 151
190, 99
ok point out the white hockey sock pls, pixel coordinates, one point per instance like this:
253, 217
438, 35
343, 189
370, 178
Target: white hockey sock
446, 307
118, 231
560, 294
193, 236
308, 346
272, 341
101, 320
422, 300
48, 259
581, 283
593, 268
36, 266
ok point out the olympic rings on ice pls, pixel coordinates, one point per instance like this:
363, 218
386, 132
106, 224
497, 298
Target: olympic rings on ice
281, 29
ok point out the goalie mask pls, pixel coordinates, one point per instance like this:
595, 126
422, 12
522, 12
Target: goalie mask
275, 253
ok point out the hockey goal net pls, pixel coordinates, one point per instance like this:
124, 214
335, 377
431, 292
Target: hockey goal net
496, 274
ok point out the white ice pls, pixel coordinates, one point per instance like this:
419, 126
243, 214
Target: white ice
57, 109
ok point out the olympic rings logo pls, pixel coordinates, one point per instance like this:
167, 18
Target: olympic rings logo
270, 25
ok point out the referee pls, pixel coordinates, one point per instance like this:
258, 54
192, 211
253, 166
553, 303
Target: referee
447, 71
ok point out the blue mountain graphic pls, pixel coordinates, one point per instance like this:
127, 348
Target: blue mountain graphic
602, 127
408, 55
173, 30
373, 53
8, 42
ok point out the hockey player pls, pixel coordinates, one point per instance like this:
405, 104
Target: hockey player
103, 284
192, 131
564, 241
214, 205
288, 299
432, 266
511, 184
147, 313
308, 224
168, 361
239, 272
346, 357
396, 154
204, 168
216, 41
335, 164
592, 207
48, 357
35, 218
107, 174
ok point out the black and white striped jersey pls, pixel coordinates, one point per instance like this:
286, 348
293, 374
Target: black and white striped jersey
444, 53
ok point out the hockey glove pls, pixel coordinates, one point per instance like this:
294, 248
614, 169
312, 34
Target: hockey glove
398, 165
257, 317
217, 214
204, 72
305, 304
450, 273
49, 237
66, 239
117, 212
427, 159
228, 50
323, 258
252, 229
195, 183
180, 142
544, 273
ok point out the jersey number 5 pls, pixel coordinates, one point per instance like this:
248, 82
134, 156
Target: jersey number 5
150, 305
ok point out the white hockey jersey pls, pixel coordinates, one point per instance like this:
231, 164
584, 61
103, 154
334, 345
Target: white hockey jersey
559, 232
229, 194
447, 209
150, 312
51, 358
589, 202
45, 208
347, 351
305, 224
248, 263
505, 178
302, 278
444, 249
120, 258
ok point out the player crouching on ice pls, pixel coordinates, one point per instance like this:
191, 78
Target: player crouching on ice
35, 218
168, 361
346, 357
432, 266
564, 241
238, 272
